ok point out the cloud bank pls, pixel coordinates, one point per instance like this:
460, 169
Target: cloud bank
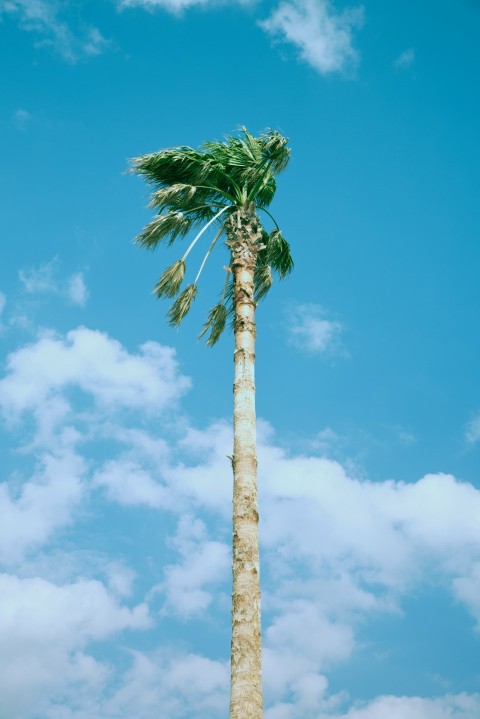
102, 430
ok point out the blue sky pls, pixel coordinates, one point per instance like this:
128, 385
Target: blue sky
115, 494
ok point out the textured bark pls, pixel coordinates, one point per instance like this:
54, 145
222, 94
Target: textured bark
246, 653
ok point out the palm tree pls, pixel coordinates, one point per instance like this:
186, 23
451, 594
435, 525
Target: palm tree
227, 184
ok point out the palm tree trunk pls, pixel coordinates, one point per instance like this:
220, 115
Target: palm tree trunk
246, 652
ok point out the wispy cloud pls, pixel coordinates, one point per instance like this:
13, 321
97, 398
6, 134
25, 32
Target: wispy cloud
47, 279
22, 118
323, 37
175, 6
46, 18
77, 289
309, 329
405, 59
472, 432
3, 301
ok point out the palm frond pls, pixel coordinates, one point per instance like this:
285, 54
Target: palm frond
278, 253
275, 147
216, 320
167, 226
229, 304
169, 283
185, 166
182, 305
173, 195
263, 281
204, 229
235, 170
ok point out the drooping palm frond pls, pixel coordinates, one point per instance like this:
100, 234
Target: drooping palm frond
169, 283
177, 194
167, 227
182, 305
216, 321
263, 281
278, 253
229, 304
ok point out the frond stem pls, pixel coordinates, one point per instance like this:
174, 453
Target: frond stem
227, 280
271, 217
204, 228
214, 241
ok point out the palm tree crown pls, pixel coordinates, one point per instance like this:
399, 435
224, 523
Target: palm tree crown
194, 189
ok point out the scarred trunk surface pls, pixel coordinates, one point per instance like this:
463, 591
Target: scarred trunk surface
246, 655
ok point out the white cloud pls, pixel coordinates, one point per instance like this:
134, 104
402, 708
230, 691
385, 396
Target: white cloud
335, 549
405, 60
467, 590
387, 532
44, 504
177, 683
40, 279
326, 441
47, 279
96, 364
128, 483
323, 37
3, 302
44, 629
77, 289
459, 706
176, 6
309, 329
203, 563
290, 652
472, 433
44, 18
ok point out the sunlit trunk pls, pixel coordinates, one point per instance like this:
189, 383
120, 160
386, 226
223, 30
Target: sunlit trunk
246, 655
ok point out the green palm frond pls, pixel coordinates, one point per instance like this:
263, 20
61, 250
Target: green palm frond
170, 281
216, 321
182, 305
167, 226
275, 147
174, 195
266, 192
278, 253
229, 300
263, 281
237, 170
185, 166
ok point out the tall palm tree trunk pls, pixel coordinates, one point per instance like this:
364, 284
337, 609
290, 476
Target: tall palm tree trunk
246, 660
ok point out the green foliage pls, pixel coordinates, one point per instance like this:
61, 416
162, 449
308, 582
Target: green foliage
263, 280
170, 281
182, 305
164, 227
216, 321
197, 188
238, 170
278, 253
